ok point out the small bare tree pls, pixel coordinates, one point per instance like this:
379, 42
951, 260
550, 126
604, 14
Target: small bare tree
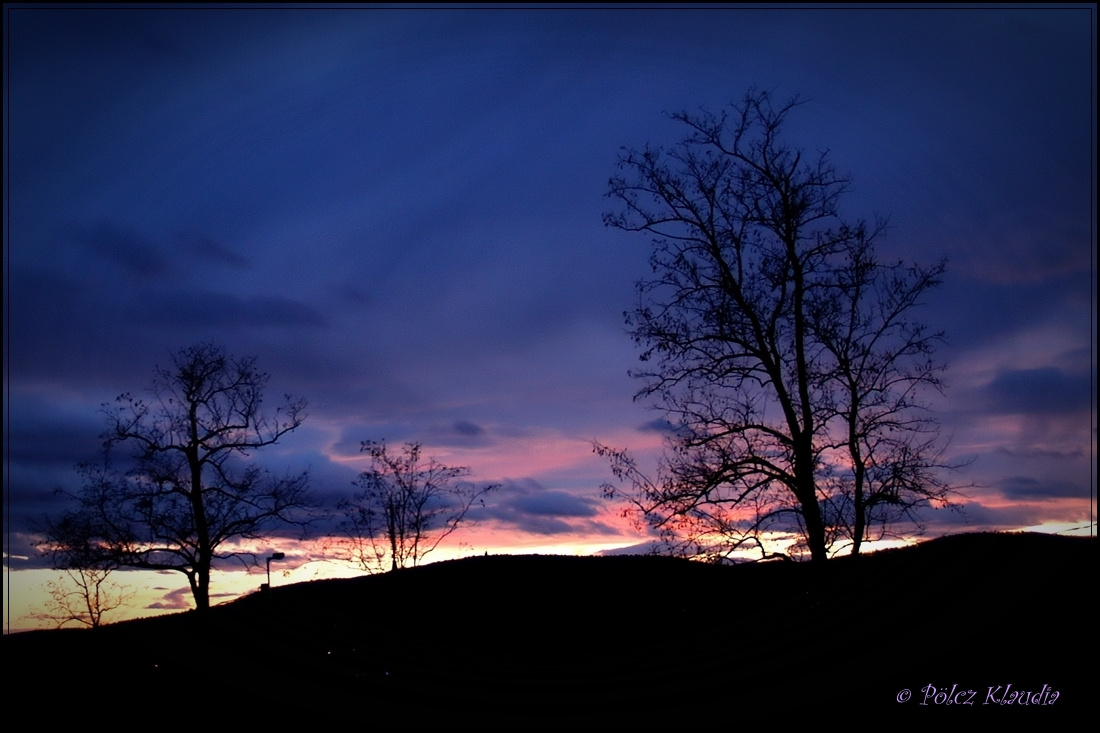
407, 506
84, 596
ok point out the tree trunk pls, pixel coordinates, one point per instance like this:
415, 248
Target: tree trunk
860, 511
859, 521
199, 579
815, 530
811, 509
200, 588
391, 518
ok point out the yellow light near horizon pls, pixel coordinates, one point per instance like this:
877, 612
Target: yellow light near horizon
26, 597
1074, 529
157, 594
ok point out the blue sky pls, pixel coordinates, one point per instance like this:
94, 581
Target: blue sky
399, 213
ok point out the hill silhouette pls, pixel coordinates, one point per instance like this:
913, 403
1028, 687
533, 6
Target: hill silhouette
553, 642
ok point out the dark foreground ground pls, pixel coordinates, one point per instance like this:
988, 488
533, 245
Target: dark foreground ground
564, 643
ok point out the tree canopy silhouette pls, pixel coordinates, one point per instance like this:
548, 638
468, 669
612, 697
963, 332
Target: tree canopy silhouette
786, 354
187, 491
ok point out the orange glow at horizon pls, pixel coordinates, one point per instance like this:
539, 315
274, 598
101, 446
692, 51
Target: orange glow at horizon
167, 592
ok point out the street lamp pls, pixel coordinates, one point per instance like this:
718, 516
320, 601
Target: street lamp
272, 556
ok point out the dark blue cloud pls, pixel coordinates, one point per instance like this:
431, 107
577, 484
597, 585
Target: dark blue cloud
136, 255
1028, 488
461, 433
974, 516
468, 429
530, 507
1074, 454
208, 250
1040, 391
44, 442
143, 257
44, 434
225, 312
556, 504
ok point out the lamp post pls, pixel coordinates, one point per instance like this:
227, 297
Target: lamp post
272, 556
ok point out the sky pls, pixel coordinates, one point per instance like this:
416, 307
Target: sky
398, 212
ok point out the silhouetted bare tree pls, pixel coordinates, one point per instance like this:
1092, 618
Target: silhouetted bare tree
775, 340
84, 596
188, 491
890, 458
408, 505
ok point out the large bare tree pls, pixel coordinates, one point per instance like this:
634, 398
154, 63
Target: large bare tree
177, 488
774, 341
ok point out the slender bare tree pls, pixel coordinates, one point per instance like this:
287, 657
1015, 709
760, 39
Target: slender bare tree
883, 362
84, 596
408, 505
